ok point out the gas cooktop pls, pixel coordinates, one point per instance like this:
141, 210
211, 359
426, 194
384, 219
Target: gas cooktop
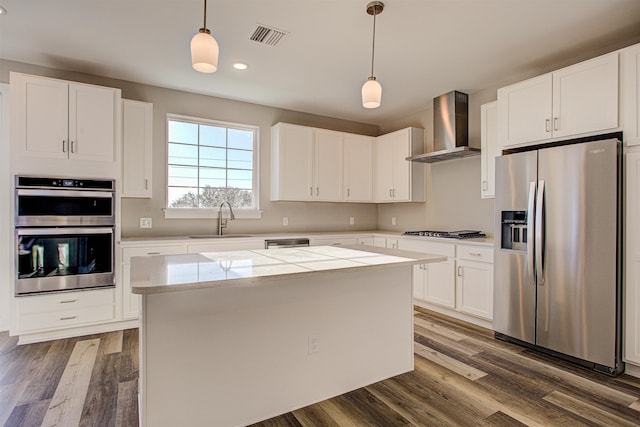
459, 234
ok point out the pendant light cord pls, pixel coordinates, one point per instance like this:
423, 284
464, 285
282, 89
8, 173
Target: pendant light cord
205, 14
373, 47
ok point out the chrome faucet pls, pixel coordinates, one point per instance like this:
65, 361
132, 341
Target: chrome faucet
222, 222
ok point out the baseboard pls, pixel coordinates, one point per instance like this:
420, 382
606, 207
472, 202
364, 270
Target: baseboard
454, 314
632, 370
77, 332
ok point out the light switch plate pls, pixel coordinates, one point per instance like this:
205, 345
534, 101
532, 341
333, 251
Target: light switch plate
145, 223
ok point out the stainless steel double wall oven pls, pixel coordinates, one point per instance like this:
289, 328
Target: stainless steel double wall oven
64, 231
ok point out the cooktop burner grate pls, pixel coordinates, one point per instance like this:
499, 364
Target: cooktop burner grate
459, 234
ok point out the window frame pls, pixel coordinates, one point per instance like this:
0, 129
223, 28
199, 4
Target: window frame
207, 213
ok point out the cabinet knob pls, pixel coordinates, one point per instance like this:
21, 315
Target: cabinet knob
317, 191
73, 147
547, 125
348, 192
311, 191
68, 301
64, 143
69, 318
484, 185
460, 271
555, 123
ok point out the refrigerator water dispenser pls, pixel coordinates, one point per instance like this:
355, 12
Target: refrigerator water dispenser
514, 230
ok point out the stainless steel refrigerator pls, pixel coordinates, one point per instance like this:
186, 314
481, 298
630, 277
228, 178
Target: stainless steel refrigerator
559, 250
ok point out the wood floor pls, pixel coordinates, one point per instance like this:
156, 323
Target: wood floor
462, 377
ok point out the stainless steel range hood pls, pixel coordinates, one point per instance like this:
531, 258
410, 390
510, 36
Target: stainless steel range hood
450, 129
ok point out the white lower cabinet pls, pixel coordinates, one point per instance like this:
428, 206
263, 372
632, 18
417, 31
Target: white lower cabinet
632, 260
474, 281
474, 286
435, 283
130, 301
41, 313
461, 286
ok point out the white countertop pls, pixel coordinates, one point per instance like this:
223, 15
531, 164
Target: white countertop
137, 241
169, 273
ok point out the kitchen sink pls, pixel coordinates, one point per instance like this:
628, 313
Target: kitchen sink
217, 236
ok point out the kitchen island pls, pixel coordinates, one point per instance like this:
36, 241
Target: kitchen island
232, 338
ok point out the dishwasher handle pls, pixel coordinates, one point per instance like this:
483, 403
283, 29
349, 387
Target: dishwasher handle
286, 243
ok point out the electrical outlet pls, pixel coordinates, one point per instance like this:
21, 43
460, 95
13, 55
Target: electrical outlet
393, 221
285, 220
145, 223
313, 344
352, 220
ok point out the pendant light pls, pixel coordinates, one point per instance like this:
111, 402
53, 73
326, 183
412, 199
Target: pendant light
204, 49
371, 89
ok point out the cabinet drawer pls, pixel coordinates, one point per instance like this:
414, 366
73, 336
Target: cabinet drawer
56, 303
436, 248
72, 317
127, 253
475, 253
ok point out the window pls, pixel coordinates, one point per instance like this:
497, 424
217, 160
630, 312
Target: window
209, 162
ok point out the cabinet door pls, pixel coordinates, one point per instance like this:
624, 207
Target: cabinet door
489, 148
585, 97
632, 259
292, 162
327, 165
91, 123
40, 116
630, 94
385, 155
401, 167
474, 285
358, 168
137, 148
440, 285
525, 111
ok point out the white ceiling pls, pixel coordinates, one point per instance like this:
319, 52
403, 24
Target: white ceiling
423, 47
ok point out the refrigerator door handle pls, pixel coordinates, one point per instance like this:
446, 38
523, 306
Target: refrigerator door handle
531, 206
539, 233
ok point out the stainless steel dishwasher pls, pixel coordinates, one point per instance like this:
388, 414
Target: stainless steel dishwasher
286, 243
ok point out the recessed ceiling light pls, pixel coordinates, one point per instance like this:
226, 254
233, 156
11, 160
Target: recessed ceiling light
3, 11
240, 66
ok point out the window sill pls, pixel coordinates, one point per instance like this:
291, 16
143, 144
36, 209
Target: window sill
185, 213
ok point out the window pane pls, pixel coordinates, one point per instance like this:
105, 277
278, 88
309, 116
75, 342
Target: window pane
182, 197
213, 136
242, 139
186, 133
180, 176
211, 197
180, 154
240, 159
213, 157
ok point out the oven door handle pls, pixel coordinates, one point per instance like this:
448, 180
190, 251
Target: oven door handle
64, 193
66, 230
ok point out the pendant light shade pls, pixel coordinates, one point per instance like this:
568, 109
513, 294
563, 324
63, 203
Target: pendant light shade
371, 93
204, 49
204, 52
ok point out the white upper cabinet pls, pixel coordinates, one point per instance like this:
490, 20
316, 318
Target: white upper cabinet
358, 168
291, 162
327, 165
58, 125
489, 148
575, 100
137, 148
524, 110
630, 94
399, 180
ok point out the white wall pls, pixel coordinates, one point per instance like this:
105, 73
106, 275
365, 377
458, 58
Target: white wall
5, 214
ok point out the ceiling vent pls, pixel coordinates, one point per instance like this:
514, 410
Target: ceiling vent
267, 35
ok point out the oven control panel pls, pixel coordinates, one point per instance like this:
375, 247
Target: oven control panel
49, 182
